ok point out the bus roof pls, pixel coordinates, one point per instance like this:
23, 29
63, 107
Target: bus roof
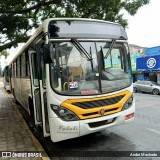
79, 19
44, 27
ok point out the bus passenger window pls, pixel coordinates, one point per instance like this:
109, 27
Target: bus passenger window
14, 69
18, 67
23, 65
27, 65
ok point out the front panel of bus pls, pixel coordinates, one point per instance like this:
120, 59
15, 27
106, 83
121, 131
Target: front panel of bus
89, 82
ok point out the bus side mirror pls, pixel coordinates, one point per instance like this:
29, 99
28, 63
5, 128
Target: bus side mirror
47, 51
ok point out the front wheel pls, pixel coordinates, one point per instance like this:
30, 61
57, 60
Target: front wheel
155, 91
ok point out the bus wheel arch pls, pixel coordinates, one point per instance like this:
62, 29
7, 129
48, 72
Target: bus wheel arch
31, 108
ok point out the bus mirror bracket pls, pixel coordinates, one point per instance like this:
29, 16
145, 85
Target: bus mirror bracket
47, 50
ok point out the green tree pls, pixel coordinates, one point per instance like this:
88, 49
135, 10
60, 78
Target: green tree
18, 18
4, 53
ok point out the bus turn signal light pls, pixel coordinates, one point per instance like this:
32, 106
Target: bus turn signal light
129, 116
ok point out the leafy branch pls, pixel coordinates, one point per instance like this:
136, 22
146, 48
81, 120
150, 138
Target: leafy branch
17, 18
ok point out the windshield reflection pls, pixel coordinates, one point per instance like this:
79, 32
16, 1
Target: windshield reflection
82, 68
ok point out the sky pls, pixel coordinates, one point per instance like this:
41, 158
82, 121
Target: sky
143, 28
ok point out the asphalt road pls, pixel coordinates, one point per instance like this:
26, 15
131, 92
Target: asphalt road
144, 131
143, 134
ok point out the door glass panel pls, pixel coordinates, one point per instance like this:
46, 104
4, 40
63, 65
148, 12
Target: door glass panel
34, 70
46, 112
43, 70
38, 105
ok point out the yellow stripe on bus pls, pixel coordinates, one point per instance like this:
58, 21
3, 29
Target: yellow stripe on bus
95, 112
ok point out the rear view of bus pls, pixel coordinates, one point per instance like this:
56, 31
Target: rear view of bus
81, 80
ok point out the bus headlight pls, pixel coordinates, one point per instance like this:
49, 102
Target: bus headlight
64, 113
128, 103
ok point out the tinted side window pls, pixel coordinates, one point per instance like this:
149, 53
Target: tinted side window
12, 70
23, 65
34, 70
27, 65
15, 68
146, 83
139, 82
18, 67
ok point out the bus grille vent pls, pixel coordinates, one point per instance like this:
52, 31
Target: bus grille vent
98, 103
101, 123
93, 113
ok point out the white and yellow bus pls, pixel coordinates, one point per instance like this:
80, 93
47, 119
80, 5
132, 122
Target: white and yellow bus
5, 75
74, 77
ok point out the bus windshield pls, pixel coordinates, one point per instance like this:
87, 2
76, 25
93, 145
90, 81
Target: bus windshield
89, 67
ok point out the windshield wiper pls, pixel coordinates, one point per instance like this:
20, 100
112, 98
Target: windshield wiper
83, 52
110, 48
91, 60
81, 49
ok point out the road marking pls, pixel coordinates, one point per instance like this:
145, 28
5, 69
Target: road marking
153, 130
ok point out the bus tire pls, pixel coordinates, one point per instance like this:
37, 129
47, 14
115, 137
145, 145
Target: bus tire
31, 109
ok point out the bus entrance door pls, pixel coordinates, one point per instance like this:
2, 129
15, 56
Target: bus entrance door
39, 94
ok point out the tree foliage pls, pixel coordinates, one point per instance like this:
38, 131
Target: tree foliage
4, 53
18, 18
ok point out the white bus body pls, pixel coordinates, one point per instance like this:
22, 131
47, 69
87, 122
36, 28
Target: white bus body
74, 77
5, 74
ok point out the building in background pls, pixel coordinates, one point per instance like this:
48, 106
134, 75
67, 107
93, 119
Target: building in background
152, 51
136, 52
149, 66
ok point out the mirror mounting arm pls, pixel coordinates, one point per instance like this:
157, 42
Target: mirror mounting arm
47, 53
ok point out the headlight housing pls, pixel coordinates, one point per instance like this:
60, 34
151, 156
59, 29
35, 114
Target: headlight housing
128, 103
64, 113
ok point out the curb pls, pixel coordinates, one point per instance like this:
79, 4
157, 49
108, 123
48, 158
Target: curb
35, 141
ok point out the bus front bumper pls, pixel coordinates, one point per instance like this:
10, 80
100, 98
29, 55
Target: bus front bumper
62, 130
